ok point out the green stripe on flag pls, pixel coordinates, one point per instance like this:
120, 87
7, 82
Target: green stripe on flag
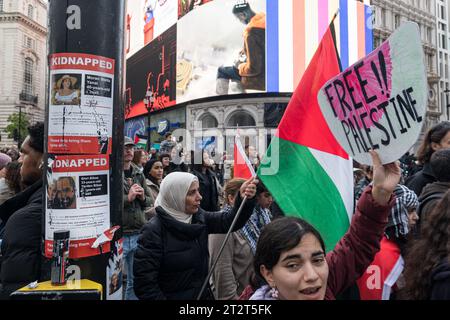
303, 189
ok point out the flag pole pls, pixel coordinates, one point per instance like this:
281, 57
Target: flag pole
205, 283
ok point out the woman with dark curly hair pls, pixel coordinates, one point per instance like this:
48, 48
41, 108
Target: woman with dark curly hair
427, 264
437, 138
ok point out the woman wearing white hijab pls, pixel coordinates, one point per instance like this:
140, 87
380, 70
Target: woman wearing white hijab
171, 261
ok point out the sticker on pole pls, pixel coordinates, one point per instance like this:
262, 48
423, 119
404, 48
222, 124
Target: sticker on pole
380, 102
80, 104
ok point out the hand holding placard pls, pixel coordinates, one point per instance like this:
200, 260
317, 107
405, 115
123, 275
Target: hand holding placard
380, 102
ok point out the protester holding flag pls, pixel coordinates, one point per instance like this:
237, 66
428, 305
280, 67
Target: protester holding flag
427, 266
291, 254
234, 268
171, 261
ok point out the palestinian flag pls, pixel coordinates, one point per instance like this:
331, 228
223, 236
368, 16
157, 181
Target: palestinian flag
306, 170
140, 140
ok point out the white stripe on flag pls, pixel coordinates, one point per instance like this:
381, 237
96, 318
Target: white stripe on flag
341, 173
286, 45
241, 151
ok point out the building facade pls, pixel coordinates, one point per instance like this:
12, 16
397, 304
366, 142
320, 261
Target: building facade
388, 17
256, 118
23, 61
442, 23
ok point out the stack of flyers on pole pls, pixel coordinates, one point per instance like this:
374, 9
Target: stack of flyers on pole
77, 199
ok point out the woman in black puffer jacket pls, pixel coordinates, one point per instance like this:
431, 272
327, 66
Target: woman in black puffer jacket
171, 261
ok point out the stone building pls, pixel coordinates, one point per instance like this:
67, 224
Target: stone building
23, 62
388, 17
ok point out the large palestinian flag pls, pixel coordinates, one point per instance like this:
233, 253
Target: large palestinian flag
305, 168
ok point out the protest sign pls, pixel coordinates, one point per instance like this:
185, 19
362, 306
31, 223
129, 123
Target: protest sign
379, 102
80, 104
77, 200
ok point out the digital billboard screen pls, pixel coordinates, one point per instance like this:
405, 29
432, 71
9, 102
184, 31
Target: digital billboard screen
228, 47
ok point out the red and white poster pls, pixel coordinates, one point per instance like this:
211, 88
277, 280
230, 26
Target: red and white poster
80, 104
77, 199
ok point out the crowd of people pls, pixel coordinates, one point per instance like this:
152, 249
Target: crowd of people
176, 214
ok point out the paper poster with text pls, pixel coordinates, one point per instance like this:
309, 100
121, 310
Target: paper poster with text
80, 104
380, 102
77, 199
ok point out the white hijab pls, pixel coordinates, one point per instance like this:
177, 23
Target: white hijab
172, 195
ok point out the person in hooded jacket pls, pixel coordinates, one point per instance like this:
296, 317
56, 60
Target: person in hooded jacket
437, 138
433, 192
172, 259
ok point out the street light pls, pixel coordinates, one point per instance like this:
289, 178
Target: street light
148, 102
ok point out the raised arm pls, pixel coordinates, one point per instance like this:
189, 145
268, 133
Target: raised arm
220, 222
356, 250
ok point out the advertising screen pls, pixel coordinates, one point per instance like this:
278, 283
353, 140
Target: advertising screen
146, 20
228, 47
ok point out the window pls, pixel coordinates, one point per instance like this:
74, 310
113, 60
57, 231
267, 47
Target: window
397, 21
241, 119
28, 77
1, 5
429, 34
29, 43
383, 17
30, 11
430, 63
209, 121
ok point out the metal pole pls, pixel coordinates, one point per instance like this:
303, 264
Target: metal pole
149, 132
221, 248
93, 32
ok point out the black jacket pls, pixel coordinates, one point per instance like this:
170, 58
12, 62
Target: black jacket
427, 203
440, 281
208, 189
171, 260
21, 245
418, 181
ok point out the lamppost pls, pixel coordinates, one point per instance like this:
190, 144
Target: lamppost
148, 102
447, 91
